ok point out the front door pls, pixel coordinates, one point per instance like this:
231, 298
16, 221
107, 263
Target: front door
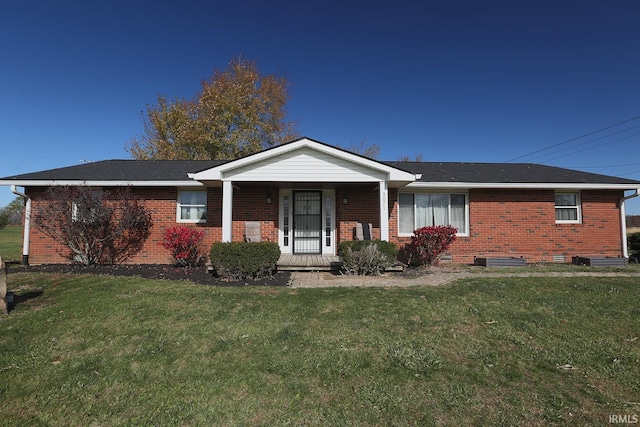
307, 222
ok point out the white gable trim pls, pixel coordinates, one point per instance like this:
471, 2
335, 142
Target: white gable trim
370, 170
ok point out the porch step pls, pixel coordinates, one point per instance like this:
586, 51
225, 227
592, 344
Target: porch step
309, 263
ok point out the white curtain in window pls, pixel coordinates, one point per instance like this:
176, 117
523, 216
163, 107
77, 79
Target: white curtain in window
405, 217
193, 205
193, 198
192, 213
423, 214
567, 214
458, 210
423, 210
566, 199
440, 208
566, 207
432, 209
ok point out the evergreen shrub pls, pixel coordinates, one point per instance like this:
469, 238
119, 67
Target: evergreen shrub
244, 260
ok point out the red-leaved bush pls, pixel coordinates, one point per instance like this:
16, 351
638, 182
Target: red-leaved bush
429, 243
185, 245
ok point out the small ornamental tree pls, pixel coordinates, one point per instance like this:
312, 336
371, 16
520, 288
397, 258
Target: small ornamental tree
94, 226
429, 243
4, 220
185, 245
14, 211
633, 242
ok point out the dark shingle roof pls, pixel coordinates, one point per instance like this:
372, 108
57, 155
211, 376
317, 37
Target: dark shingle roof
437, 172
505, 173
122, 170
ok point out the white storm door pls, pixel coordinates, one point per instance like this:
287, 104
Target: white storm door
307, 222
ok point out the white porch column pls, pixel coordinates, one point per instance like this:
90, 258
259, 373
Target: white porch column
227, 205
384, 211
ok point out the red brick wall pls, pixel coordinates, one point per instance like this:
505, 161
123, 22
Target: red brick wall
522, 223
361, 206
250, 204
162, 203
502, 222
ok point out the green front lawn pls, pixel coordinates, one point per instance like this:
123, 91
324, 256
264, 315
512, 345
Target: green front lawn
11, 243
83, 350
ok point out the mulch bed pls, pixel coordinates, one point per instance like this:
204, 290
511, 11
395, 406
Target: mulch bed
198, 275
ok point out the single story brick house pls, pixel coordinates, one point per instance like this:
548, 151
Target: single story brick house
308, 196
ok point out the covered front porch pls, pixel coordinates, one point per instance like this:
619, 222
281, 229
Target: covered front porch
305, 262
308, 185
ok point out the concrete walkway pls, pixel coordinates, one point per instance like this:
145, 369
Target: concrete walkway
323, 279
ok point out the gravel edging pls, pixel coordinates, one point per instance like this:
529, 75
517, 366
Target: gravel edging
326, 279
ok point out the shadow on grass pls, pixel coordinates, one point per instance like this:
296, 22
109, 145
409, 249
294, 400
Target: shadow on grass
14, 300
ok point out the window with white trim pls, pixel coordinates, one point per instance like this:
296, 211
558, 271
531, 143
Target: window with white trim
192, 206
417, 210
568, 208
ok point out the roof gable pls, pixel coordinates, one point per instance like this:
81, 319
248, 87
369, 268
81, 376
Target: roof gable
305, 160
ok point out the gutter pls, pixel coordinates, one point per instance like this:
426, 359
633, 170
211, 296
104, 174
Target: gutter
27, 225
623, 221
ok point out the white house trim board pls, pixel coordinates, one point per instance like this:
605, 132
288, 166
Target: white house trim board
384, 211
305, 160
227, 213
521, 186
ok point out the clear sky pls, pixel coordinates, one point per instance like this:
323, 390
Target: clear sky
480, 81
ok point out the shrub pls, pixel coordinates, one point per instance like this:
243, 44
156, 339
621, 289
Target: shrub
365, 262
429, 243
14, 211
367, 257
185, 245
94, 227
633, 242
4, 220
244, 260
390, 249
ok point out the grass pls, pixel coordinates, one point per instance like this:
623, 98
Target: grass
89, 350
11, 243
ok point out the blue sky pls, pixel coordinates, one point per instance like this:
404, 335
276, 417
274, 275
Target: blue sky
452, 80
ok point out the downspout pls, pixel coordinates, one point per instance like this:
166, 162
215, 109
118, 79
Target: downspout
623, 221
27, 225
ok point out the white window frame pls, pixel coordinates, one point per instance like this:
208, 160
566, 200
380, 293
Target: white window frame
179, 207
577, 207
461, 232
